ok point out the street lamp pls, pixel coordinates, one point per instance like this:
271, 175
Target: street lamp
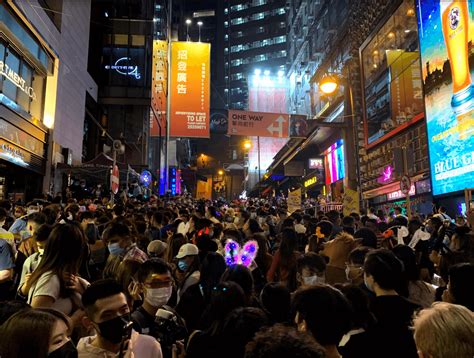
220, 172
199, 27
329, 84
247, 144
188, 22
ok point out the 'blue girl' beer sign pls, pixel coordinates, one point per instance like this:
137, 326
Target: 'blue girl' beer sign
446, 30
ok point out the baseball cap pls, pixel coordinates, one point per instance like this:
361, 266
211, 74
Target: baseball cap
187, 250
156, 247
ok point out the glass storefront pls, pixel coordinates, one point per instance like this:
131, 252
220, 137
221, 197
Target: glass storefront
392, 75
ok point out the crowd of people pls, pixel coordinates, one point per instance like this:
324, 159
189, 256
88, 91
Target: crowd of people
178, 277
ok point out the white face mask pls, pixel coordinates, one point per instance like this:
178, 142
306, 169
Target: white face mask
158, 297
314, 280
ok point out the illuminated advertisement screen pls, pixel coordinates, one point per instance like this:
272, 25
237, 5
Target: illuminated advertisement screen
446, 31
334, 159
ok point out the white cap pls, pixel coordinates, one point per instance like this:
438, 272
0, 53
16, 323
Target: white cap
187, 250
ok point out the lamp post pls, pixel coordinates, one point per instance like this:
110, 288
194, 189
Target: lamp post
329, 85
199, 27
188, 22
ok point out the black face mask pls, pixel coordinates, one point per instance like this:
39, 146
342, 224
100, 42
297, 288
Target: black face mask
67, 350
116, 329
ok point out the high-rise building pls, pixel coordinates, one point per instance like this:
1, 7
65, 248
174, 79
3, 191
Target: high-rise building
251, 37
122, 33
44, 84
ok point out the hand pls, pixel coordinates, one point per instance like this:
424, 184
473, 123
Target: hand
134, 291
177, 351
77, 317
73, 283
27, 279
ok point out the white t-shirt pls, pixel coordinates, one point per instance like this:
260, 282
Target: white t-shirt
49, 285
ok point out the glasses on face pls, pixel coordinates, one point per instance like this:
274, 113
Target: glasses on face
356, 267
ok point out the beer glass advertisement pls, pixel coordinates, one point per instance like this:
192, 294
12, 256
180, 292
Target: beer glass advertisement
446, 30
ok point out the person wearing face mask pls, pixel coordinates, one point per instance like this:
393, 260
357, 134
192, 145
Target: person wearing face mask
108, 313
32, 262
311, 270
47, 334
188, 265
383, 275
156, 286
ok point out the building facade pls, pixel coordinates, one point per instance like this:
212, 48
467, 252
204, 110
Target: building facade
44, 87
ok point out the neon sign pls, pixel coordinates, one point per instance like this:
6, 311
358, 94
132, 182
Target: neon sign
145, 178
310, 182
17, 80
121, 67
387, 175
398, 194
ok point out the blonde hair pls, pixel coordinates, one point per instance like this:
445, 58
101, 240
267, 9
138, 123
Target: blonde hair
445, 331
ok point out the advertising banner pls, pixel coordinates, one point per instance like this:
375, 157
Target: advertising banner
446, 30
260, 124
294, 200
204, 189
159, 81
334, 159
299, 126
190, 89
350, 201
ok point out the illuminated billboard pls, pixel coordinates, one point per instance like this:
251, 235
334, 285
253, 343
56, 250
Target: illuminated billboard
446, 31
334, 160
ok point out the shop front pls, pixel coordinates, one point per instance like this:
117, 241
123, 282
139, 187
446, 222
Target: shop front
389, 196
24, 67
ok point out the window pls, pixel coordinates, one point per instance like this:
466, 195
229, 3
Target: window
53, 9
121, 39
281, 11
237, 21
13, 63
226, 23
138, 40
280, 39
30, 94
258, 16
392, 75
226, 11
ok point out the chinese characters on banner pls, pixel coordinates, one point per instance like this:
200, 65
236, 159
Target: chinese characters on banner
258, 124
159, 88
190, 89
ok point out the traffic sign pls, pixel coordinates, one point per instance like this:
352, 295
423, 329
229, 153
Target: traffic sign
114, 179
405, 184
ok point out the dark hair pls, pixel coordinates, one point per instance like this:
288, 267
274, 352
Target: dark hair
289, 242
240, 327
212, 268
325, 227
311, 260
261, 259
297, 217
367, 236
326, 312
254, 226
333, 216
460, 284
281, 341
362, 317
37, 218
9, 308
43, 232
242, 276
87, 215
175, 243
118, 210
152, 266
65, 250
397, 208
118, 227
3, 214
385, 268
225, 297
406, 255
276, 300
27, 333
348, 221
358, 255
98, 290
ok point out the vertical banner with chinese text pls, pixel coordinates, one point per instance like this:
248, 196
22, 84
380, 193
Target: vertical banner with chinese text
158, 88
190, 89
